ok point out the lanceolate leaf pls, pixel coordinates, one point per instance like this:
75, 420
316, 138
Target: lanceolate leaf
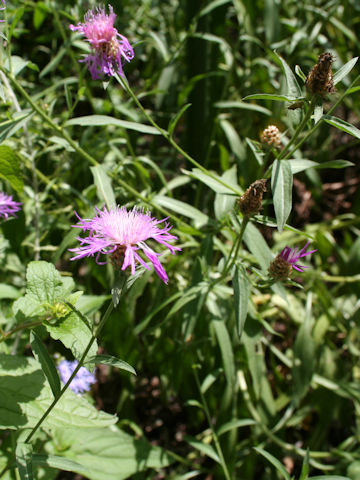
103, 185
47, 364
344, 70
241, 288
275, 462
281, 186
342, 125
113, 362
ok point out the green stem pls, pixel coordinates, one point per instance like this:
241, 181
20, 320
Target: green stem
60, 131
232, 258
169, 138
19, 328
79, 365
214, 435
299, 128
316, 126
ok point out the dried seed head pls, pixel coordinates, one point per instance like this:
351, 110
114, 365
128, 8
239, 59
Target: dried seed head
271, 136
320, 79
279, 268
250, 202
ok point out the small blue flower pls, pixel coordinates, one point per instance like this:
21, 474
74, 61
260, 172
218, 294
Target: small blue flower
83, 379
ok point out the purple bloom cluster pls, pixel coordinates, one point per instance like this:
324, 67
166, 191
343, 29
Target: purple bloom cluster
109, 48
83, 379
8, 206
121, 234
292, 256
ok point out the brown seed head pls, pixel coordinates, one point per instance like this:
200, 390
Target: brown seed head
271, 136
279, 268
250, 202
320, 79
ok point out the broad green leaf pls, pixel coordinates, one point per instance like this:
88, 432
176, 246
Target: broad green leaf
61, 463
183, 208
174, 121
344, 70
226, 349
244, 422
26, 395
293, 87
10, 168
24, 460
7, 291
103, 186
281, 186
241, 288
342, 125
108, 453
103, 120
112, 362
204, 448
243, 106
47, 364
275, 462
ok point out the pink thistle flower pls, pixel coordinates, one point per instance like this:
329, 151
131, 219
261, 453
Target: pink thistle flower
286, 260
121, 234
110, 49
83, 379
8, 206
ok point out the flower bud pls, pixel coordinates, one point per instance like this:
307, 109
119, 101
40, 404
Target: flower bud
320, 79
271, 136
250, 202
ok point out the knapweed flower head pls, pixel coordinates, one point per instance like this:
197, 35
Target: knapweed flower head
122, 234
250, 203
320, 79
109, 48
83, 379
281, 267
8, 207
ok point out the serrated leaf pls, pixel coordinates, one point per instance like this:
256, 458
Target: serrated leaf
108, 453
281, 186
241, 288
26, 395
47, 364
344, 70
103, 120
275, 462
112, 362
342, 125
24, 460
10, 168
103, 186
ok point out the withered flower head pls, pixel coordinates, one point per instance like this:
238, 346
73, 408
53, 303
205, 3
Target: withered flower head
271, 136
251, 201
320, 79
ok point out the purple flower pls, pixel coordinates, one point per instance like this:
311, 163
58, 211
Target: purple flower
83, 379
292, 255
8, 206
109, 48
281, 267
121, 234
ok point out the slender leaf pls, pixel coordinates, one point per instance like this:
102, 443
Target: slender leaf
174, 121
293, 87
275, 462
281, 186
344, 70
103, 185
203, 448
244, 422
47, 364
243, 106
342, 125
101, 120
112, 362
241, 288
226, 349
